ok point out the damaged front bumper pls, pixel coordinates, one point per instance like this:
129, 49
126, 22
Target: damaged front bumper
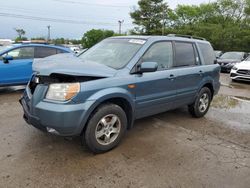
57, 118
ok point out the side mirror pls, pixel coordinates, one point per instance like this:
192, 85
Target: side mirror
216, 61
7, 58
147, 67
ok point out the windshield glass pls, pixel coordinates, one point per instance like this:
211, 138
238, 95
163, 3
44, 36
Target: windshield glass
232, 55
114, 53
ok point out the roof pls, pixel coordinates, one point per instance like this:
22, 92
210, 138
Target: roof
15, 46
159, 37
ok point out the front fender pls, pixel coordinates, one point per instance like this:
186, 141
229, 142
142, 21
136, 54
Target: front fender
104, 95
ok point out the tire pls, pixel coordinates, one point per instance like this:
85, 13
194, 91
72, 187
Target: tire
105, 128
202, 103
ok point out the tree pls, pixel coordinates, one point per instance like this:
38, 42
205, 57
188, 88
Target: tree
20, 32
94, 36
150, 17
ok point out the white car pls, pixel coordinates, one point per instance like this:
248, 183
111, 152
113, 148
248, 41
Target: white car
241, 71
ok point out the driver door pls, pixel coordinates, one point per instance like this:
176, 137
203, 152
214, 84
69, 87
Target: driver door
156, 91
18, 70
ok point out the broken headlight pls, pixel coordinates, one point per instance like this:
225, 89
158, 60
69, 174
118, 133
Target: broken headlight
62, 91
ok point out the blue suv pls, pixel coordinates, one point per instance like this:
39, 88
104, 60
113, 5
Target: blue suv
99, 94
16, 61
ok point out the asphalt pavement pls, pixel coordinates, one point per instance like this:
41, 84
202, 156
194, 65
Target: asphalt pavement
168, 150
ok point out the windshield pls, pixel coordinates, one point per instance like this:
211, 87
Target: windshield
232, 55
115, 53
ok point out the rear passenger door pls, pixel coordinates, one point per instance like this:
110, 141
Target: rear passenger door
189, 72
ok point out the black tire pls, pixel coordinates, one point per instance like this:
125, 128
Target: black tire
194, 108
94, 123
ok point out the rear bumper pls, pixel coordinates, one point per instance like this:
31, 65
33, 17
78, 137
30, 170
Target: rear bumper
63, 119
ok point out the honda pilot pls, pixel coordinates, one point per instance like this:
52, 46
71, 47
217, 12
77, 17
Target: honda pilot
100, 94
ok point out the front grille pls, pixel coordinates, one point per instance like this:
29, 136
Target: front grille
243, 71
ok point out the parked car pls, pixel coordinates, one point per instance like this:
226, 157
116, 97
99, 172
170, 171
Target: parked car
218, 53
229, 59
16, 61
99, 94
241, 71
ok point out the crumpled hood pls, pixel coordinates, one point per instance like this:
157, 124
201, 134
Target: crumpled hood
70, 65
243, 65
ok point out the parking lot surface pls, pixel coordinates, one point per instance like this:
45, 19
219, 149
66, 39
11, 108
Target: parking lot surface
166, 150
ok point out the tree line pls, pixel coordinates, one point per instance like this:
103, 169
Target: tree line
225, 23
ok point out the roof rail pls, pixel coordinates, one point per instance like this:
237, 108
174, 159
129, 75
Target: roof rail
186, 36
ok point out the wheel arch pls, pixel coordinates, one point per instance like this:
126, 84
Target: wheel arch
120, 99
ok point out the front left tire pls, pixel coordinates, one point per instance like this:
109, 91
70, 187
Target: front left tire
105, 128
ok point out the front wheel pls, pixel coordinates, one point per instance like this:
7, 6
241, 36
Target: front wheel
105, 128
202, 103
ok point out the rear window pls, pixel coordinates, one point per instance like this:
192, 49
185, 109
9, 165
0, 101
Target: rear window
207, 53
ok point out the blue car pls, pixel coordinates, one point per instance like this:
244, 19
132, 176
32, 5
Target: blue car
99, 94
16, 61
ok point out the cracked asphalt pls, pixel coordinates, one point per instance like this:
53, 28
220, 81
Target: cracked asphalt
166, 150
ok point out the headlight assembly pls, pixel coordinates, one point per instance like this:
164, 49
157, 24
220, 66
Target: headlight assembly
234, 68
62, 91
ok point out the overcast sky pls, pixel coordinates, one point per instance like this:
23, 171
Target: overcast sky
68, 18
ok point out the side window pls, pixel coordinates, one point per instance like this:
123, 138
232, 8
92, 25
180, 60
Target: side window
21, 53
207, 53
41, 52
184, 54
161, 53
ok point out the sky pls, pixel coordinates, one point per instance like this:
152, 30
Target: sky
68, 18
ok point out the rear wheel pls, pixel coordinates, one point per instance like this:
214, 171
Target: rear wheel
105, 128
202, 103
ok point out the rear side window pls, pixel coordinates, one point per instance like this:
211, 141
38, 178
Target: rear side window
41, 52
207, 53
184, 54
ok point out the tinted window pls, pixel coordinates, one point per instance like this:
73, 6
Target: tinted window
161, 53
185, 55
207, 53
41, 52
21, 53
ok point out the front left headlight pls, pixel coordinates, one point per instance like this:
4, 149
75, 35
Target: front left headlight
63, 91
